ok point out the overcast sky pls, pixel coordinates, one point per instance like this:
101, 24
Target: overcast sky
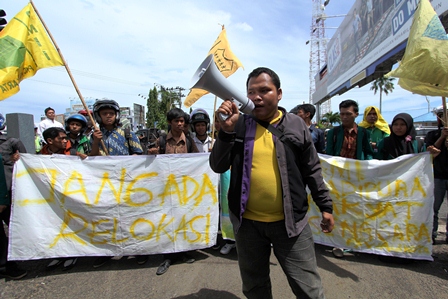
120, 49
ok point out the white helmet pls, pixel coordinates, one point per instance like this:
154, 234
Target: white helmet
438, 110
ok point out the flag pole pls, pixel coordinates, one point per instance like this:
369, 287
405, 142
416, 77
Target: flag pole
445, 118
213, 128
70, 75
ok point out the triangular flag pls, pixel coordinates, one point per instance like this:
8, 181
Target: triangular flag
424, 67
225, 60
25, 47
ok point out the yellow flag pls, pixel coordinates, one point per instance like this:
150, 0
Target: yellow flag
424, 67
225, 60
25, 47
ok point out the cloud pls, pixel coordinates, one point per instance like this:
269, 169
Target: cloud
119, 49
244, 26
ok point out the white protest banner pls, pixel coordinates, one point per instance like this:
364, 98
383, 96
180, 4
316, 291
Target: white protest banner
126, 205
380, 207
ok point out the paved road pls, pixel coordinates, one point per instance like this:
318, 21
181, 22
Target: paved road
216, 276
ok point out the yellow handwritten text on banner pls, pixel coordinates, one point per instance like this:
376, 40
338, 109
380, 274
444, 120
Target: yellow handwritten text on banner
380, 207
112, 205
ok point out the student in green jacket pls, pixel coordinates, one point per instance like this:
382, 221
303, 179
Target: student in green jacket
349, 140
377, 126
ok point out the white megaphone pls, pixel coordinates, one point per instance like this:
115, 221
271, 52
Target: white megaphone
209, 78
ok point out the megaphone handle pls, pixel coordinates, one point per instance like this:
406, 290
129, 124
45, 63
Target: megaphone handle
223, 116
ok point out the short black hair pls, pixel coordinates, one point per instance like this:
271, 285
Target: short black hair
48, 109
52, 133
260, 70
307, 108
349, 103
175, 113
294, 110
187, 118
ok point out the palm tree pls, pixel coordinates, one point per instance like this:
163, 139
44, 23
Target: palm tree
330, 118
382, 84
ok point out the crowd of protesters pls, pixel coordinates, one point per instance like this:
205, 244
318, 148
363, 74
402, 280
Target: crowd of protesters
245, 148
78, 138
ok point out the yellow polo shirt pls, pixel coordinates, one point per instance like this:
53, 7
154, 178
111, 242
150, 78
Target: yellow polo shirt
265, 197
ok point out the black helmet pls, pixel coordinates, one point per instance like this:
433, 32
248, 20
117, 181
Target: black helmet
2, 122
199, 115
77, 117
102, 104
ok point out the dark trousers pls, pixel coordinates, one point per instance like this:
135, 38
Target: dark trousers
175, 257
4, 217
440, 189
295, 255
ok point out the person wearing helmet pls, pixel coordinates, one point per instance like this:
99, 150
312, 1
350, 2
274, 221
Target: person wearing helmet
200, 125
118, 141
88, 132
48, 122
436, 143
2, 122
75, 126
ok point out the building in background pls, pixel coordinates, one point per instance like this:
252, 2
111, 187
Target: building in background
136, 116
76, 106
139, 117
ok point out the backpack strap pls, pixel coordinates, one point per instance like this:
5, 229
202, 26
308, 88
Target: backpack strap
189, 143
335, 133
127, 135
279, 134
162, 144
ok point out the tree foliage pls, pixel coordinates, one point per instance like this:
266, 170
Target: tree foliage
330, 118
159, 103
382, 84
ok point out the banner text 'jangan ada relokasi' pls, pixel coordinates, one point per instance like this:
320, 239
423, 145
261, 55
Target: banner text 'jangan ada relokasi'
112, 205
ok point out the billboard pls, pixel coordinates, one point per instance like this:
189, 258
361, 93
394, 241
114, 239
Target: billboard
139, 115
371, 38
125, 112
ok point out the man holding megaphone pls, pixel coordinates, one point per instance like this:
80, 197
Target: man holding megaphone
272, 159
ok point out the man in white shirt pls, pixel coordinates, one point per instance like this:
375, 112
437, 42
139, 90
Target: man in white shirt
49, 122
200, 124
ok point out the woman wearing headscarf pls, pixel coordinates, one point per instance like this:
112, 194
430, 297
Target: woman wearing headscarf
401, 140
377, 126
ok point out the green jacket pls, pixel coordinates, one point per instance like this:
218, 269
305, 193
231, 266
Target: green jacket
376, 135
335, 138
